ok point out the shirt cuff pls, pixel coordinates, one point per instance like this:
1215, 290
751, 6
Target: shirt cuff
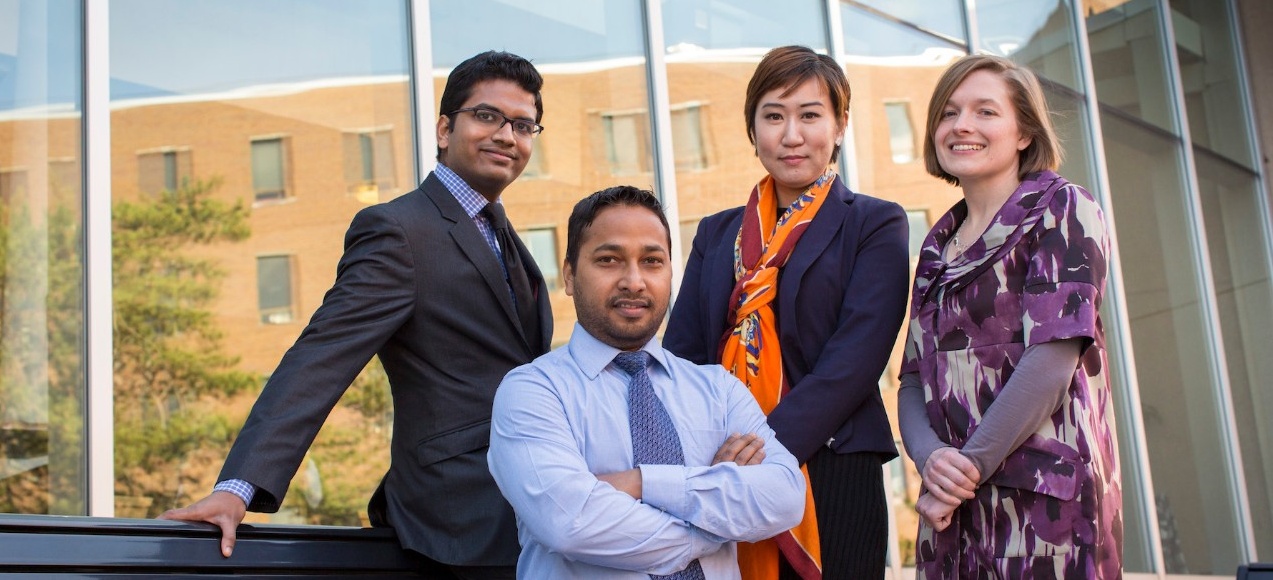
663, 487
244, 490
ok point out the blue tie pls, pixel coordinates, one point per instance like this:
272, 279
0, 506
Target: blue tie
654, 438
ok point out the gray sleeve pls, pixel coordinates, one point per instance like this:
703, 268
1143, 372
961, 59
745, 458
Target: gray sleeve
1031, 396
917, 433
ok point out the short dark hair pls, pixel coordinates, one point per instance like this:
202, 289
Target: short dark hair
586, 211
1026, 94
489, 65
789, 67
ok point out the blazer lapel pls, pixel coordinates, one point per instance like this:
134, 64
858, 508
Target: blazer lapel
474, 247
813, 243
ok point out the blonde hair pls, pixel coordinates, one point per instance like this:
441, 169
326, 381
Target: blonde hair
1026, 95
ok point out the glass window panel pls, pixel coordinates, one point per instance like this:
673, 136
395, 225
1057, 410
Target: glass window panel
748, 25
1180, 405
627, 142
274, 288
1179, 395
42, 380
1069, 120
1209, 74
1240, 268
382, 170
687, 137
1037, 33
932, 29
595, 94
367, 154
712, 49
170, 170
162, 170
901, 133
268, 170
369, 163
214, 76
943, 17
688, 227
1220, 126
542, 243
917, 219
536, 167
1128, 63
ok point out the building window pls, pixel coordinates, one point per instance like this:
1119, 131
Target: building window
536, 167
687, 137
901, 134
12, 182
162, 169
542, 243
627, 141
274, 289
269, 168
917, 219
689, 228
369, 163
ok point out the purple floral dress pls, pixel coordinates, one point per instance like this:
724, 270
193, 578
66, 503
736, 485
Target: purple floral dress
1053, 508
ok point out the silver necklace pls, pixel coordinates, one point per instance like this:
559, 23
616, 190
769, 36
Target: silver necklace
959, 245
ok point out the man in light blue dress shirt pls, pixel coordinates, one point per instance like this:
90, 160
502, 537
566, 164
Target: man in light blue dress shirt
561, 448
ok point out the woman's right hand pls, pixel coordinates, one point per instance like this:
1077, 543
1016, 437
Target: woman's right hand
950, 477
935, 512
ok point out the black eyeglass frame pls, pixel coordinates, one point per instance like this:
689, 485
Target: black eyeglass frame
536, 128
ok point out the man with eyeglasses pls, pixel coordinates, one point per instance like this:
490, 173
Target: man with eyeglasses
438, 284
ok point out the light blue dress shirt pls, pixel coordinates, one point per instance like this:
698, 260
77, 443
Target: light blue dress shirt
563, 418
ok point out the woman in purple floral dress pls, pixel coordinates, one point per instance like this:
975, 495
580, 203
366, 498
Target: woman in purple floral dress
1005, 404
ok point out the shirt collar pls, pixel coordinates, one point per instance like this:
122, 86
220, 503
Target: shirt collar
593, 356
469, 198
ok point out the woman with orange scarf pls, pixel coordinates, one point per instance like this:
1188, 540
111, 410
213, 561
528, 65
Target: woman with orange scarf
801, 294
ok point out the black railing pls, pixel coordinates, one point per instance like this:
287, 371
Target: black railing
83, 547
1256, 571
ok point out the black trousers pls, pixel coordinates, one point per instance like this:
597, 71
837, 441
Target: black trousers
848, 496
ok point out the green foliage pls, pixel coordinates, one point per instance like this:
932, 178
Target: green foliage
42, 376
369, 394
168, 352
178, 395
167, 345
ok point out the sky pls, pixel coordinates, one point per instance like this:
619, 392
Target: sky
182, 47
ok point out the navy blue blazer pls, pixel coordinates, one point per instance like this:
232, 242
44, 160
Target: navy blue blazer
841, 301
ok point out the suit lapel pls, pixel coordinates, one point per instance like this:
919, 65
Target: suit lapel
471, 243
813, 243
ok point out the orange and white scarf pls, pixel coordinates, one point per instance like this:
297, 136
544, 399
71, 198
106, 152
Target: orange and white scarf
750, 350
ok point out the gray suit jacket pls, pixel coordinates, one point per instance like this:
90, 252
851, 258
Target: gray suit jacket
418, 285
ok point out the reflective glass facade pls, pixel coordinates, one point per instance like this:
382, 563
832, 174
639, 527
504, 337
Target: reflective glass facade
244, 135
42, 327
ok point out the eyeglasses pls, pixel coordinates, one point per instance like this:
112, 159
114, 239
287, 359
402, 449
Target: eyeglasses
496, 120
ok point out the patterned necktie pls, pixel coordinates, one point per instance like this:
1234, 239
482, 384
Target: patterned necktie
517, 279
654, 438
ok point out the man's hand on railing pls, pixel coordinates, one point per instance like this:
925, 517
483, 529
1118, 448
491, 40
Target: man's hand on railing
222, 508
